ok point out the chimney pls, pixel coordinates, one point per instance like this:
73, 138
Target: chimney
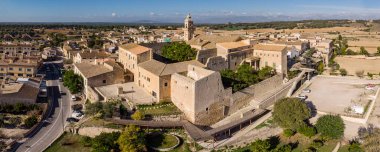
120, 90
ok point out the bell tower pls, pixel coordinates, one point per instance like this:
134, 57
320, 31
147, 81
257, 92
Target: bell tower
188, 29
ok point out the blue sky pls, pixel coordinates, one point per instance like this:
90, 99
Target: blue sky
213, 11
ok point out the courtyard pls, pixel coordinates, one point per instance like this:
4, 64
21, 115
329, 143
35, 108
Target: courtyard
340, 95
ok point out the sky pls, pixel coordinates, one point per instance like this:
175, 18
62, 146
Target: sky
174, 11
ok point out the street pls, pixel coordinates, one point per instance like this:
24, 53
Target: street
54, 125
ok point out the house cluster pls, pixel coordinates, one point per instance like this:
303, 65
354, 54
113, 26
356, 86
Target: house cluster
140, 76
19, 60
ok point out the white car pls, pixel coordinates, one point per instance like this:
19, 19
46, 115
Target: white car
302, 97
73, 98
77, 115
306, 91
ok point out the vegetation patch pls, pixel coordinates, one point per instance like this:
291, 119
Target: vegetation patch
161, 109
162, 141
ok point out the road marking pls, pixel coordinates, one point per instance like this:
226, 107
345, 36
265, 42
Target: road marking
56, 120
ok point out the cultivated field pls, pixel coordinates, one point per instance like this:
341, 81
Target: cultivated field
352, 65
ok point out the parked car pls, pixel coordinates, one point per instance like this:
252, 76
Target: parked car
72, 120
73, 98
60, 79
62, 93
302, 97
306, 91
77, 114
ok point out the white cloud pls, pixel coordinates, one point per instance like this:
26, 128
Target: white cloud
152, 13
113, 14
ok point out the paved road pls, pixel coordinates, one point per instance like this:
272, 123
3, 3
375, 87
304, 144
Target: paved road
52, 129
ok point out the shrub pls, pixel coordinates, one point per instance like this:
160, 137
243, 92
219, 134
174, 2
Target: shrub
288, 132
260, 146
355, 147
137, 115
86, 141
307, 131
30, 121
330, 126
343, 72
284, 148
316, 144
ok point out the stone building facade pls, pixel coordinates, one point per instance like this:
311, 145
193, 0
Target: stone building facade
200, 95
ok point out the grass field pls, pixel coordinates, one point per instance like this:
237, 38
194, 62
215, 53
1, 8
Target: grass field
162, 140
159, 109
68, 143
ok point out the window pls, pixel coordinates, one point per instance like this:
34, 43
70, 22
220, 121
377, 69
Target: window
148, 79
28, 70
20, 75
104, 81
11, 69
266, 63
1, 69
166, 84
19, 69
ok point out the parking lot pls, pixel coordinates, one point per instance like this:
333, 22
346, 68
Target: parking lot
337, 94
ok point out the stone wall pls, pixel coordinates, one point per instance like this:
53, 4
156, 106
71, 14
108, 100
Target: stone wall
95, 131
93, 95
203, 55
215, 113
243, 97
216, 63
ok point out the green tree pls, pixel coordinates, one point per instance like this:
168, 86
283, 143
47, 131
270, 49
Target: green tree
290, 113
320, 67
95, 108
178, 51
138, 115
30, 121
105, 142
266, 72
284, 148
330, 126
73, 81
260, 146
132, 139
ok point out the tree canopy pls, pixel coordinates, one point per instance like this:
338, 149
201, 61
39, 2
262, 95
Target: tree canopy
73, 81
245, 76
290, 113
330, 126
105, 142
178, 51
132, 139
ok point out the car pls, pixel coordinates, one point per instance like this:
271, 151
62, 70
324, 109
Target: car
73, 98
72, 120
62, 93
60, 79
302, 97
77, 114
306, 91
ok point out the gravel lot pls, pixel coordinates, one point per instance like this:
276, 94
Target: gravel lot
334, 94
